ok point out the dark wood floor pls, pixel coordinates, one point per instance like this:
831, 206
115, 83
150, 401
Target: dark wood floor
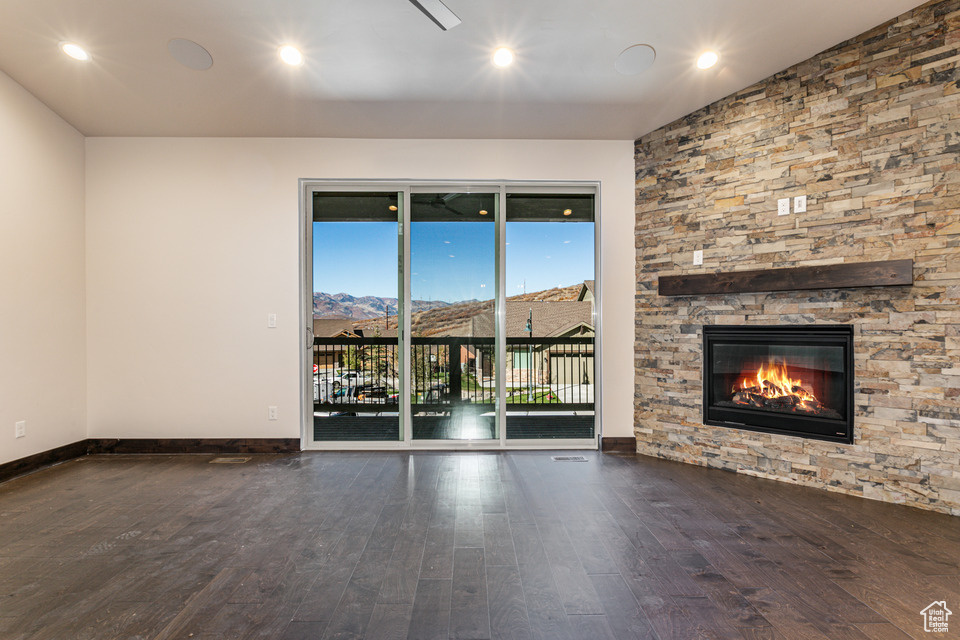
469, 545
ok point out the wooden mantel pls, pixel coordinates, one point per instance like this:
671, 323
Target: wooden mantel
829, 276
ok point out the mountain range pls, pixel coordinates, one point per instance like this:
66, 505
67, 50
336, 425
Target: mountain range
454, 319
343, 305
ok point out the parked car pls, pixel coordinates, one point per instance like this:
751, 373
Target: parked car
326, 387
364, 393
323, 390
375, 394
347, 379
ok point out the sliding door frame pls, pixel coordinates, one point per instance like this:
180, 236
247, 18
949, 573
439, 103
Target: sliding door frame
308, 187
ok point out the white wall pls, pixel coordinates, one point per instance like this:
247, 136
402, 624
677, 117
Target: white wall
42, 336
192, 242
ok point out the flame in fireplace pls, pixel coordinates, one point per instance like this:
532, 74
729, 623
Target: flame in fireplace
774, 381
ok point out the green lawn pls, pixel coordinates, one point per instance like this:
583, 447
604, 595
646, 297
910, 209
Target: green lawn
540, 396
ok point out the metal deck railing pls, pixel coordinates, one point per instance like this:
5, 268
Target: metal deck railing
353, 374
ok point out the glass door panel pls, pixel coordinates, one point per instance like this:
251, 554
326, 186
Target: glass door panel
356, 360
452, 291
550, 368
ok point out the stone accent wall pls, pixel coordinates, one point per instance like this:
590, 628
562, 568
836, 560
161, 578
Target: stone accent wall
870, 132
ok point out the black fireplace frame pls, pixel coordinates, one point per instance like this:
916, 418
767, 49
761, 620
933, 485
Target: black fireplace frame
792, 425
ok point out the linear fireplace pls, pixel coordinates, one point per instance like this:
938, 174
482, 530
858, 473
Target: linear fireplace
780, 379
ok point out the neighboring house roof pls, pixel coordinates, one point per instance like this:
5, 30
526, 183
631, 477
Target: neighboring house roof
465, 329
374, 328
334, 327
549, 318
582, 330
586, 291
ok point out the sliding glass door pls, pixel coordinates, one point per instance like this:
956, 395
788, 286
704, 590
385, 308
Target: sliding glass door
447, 315
550, 313
452, 289
355, 305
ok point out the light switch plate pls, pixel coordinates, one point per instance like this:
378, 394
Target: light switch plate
698, 257
800, 204
783, 207
271, 321
20, 429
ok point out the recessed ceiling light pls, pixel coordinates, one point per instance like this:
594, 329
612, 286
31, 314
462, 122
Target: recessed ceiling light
483, 212
503, 57
291, 55
75, 51
567, 212
707, 59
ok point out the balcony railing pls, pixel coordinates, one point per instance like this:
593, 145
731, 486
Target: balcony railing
540, 374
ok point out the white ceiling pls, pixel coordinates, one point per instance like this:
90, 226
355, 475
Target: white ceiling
381, 69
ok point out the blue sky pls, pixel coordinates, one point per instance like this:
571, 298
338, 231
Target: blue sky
450, 261
359, 258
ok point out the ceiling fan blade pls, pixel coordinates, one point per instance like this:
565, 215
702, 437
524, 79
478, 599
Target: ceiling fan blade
438, 12
440, 202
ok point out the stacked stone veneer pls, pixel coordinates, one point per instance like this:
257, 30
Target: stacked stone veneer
870, 132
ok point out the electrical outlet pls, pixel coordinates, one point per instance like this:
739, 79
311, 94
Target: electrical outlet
800, 204
698, 257
20, 429
272, 413
271, 321
783, 207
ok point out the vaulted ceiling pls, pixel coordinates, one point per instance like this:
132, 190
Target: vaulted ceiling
382, 69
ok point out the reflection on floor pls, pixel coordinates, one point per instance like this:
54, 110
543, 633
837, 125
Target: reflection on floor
463, 422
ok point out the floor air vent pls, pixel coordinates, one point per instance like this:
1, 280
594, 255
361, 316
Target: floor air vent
229, 460
569, 459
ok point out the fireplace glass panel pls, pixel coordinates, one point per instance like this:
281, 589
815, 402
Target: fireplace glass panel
795, 381
802, 380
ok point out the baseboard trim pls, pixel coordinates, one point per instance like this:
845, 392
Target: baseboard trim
619, 445
193, 445
23, 466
